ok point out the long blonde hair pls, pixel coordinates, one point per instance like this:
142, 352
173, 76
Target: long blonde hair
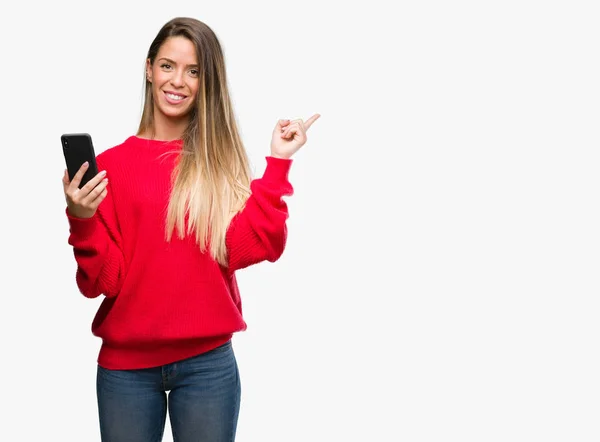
211, 179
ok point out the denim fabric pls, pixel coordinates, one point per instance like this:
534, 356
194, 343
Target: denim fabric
203, 400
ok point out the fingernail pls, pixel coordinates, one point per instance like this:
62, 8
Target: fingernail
86, 164
103, 172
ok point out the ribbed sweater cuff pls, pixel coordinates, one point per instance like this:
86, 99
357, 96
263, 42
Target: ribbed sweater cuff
277, 169
81, 227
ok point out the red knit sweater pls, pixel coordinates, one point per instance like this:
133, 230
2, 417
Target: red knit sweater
166, 301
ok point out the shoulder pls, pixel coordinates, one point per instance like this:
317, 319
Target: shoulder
116, 153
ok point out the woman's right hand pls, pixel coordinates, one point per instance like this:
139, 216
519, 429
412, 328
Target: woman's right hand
83, 203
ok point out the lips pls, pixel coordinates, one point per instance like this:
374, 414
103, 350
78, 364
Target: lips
174, 98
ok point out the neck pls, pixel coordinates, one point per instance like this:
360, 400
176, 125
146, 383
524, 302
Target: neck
167, 129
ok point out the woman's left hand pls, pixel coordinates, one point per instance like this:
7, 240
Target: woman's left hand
289, 136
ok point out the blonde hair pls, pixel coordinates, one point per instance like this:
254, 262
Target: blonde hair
211, 179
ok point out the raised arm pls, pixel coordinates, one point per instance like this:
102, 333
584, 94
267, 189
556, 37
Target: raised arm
258, 232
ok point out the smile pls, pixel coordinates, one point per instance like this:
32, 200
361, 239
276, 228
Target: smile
174, 98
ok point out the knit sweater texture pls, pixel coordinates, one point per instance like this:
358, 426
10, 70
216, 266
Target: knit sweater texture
167, 300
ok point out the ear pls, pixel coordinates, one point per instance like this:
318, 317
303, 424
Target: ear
148, 70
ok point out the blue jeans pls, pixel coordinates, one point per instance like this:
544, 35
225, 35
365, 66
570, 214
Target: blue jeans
203, 400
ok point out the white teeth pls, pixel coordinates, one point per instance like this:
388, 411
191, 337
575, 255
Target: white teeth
175, 97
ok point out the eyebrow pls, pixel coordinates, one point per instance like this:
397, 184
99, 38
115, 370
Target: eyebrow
173, 62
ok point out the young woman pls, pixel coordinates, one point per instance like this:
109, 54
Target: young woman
161, 231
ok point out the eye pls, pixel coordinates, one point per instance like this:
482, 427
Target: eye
194, 72
165, 66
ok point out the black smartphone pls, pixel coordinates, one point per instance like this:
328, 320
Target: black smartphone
77, 149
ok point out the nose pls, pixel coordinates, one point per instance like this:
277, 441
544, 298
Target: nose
177, 78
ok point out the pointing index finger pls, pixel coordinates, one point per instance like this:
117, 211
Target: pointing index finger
311, 120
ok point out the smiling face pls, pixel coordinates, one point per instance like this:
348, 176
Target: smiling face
174, 78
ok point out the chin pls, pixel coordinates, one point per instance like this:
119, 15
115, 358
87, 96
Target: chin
174, 113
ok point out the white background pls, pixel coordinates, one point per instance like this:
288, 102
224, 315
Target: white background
441, 277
